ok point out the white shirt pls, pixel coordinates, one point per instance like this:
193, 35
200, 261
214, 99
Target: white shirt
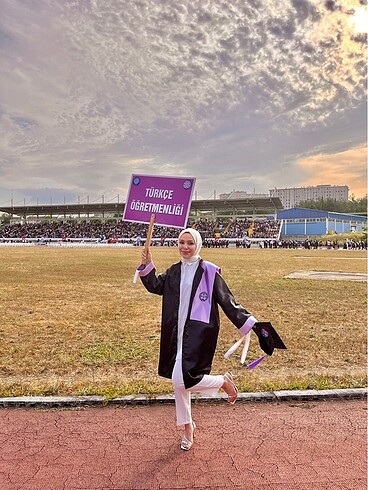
188, 270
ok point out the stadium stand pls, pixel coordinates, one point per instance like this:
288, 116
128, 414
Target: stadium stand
62, 230
241, 233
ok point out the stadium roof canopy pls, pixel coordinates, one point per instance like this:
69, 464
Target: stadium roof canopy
255, 206
304, 213
64, 210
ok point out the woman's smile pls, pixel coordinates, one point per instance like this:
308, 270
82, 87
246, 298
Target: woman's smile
186, 246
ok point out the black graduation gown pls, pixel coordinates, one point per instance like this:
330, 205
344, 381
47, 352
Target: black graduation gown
199, 338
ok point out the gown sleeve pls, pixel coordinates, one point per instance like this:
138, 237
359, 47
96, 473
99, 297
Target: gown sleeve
152, 282
236, 313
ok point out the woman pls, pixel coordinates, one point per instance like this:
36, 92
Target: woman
192, 289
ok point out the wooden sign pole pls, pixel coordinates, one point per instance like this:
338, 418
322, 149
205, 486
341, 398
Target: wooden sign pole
146, 246
149, 233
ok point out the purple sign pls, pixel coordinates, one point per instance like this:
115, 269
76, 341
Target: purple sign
168, 198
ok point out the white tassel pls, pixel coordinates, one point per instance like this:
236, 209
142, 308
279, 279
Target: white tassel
233, 348
136, 274
246, 347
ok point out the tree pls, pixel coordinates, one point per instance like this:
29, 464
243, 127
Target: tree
351, 206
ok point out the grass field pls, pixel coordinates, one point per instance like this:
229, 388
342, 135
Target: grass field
73, 322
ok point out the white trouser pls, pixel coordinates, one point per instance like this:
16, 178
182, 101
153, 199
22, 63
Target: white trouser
209, 385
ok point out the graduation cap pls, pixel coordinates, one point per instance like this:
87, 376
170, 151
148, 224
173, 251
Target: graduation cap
268, 339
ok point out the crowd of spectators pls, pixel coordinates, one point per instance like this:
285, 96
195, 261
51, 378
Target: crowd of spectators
99, 230
216, 233
118, 230
239, 228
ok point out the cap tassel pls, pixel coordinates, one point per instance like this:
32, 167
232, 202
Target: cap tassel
255, 363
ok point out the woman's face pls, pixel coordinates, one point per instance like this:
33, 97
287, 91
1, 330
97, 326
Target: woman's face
186, 246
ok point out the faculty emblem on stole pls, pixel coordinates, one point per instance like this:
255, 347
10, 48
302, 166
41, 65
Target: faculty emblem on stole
203, 296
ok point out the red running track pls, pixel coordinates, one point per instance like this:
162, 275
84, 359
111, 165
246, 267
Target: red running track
319, 445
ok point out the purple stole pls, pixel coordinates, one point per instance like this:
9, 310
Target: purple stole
202, 302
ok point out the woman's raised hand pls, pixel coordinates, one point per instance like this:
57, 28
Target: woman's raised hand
146, 256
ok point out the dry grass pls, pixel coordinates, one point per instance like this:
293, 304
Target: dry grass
72, 321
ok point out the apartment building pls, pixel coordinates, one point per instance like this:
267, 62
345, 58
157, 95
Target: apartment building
291, 196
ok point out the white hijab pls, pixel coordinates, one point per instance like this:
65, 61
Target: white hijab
198, 243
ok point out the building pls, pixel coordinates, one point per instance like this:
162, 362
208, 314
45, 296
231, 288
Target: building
301, 222
292, 196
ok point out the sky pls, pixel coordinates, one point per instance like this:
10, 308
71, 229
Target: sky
242, 95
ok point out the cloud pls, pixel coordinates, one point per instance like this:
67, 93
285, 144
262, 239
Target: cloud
343, 168
229, 92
